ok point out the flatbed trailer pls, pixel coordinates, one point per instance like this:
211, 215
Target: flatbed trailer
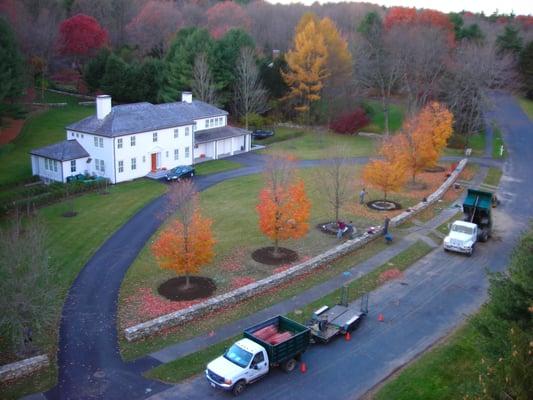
328, 322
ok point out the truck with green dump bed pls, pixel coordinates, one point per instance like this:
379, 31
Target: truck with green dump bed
278, 341
476, 225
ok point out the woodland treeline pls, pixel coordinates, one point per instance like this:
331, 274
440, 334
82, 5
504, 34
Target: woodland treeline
308, 63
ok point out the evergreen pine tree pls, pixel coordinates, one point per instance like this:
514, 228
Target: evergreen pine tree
11, 72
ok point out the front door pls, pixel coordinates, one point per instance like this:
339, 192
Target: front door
154, 161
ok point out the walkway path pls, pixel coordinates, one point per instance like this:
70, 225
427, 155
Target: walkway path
90, 365
436, 294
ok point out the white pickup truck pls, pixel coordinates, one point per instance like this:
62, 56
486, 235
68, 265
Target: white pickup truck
462, 237
252, 357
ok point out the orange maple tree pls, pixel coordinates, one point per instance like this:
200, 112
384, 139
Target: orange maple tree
422, 139
184, 248
283, 207
389, 176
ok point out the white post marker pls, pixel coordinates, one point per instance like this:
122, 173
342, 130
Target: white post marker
501, 150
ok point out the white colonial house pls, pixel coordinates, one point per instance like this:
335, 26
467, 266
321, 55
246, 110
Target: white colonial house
130, 141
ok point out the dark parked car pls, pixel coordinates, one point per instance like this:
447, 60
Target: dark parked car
262, 134
177, 173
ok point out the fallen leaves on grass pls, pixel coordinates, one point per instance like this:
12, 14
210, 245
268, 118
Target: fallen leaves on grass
390, 274
144, 305
235, 260
241, 281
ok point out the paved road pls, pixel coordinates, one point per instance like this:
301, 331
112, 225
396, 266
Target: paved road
436, 294
90, 365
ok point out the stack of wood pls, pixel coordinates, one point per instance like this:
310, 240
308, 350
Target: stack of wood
270, 334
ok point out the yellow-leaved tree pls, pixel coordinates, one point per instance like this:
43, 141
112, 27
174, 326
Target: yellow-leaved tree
306, 63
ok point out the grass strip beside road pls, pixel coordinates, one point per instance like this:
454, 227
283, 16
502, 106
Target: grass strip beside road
493, 177
497, 145
444, 228
450, 371
215, 166
180, 369
527, 106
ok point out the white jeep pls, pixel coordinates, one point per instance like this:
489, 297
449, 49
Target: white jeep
462, 237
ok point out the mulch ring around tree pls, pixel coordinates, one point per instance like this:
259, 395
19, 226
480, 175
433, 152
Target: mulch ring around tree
174, 288
265, 255
383, 205
331, 228
436, 168
69, 214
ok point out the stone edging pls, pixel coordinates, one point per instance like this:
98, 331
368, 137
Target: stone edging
178, 317
23, 368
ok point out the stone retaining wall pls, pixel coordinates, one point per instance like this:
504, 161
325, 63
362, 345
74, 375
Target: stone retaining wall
178, 317
22, 368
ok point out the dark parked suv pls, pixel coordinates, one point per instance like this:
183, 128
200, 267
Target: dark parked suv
262, 134
178, 173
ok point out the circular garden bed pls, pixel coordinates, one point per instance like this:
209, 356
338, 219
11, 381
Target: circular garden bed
331, 228
265, 255
199, 287
384, 205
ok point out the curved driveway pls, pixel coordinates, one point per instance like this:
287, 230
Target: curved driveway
90, 365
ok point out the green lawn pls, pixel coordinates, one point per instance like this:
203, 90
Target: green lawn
72, 241
309, 145
42, 128
377, 120
444, 228
214, 166
527, 106
450, 371
476, 142
192, 364
497, 143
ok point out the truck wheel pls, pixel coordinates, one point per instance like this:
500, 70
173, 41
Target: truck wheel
238, 388
289, 365
484, 236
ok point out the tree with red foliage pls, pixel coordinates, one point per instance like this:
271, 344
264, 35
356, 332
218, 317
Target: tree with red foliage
350, 122
80, 37
154, 26
400, 16
226, 15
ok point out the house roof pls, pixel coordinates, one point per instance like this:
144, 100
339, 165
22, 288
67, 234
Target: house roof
63, 151
224, 132
143, 117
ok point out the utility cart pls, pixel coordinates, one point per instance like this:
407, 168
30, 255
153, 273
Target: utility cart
328, 322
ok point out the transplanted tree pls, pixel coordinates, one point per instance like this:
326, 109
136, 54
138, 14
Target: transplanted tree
336, 181
28, 295
203, 86
80, 37
187, 243
250, 96
422, 139
307, 62
11, 72
283, 207
389, 176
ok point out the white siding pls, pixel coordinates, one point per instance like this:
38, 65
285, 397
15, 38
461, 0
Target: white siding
205, 149
205, 123
97, 153
39, 165
238, 143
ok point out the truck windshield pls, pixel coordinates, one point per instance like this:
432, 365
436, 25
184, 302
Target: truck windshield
462, 229
238, 356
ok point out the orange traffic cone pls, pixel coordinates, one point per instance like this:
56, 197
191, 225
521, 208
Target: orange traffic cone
348, 337
381, 318
303, 367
